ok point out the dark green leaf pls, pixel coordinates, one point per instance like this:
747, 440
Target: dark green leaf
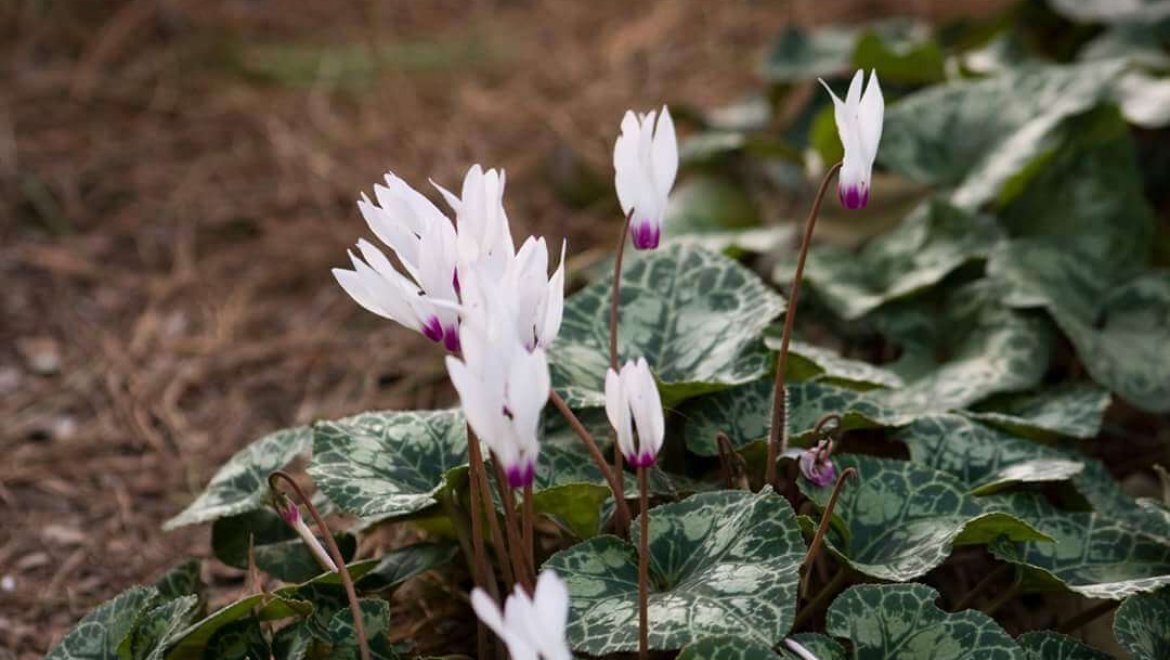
1142, 625
917, 61
723, 563
239, 640
182, 580
387, 464
398, 566
375, 621
901, 519
727, 647
695, 316
277, 549
99, 635
1072, 409
157, 626
242, 483
977, 134
901, 621
1048, 645
933, 241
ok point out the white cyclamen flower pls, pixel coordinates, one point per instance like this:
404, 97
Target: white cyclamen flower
484, 236
645, 163
540, 299
502, 385
424, 241
532, 628
632, 400
859, 123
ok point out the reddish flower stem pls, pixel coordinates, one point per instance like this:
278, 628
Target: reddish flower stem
622, 514
776, 438
519, 558
622, 511
643, 566
480, 483
347, 581
826, 516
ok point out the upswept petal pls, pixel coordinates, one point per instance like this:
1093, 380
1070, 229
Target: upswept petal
664, 153
870, 117
617, 409
553, 310
646, 405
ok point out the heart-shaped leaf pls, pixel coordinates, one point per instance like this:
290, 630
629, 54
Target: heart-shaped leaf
387, 464
901, 621
982, 458
977, 134
695, 316
1093, 554
933, 241
242, 483
900, 519
158, 625
99, 635
1142, 625
721, 563
728, 647
1072, 409
1048, 645
399, 565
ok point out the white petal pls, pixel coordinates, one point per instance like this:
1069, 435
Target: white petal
554, 309
870, 115
617, 408
665, 154
853, 96
487, 612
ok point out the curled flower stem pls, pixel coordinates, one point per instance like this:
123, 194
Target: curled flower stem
643, 565
622, 514
519, 558
622, 510
346, 581
826, 516
776, 439
478, 473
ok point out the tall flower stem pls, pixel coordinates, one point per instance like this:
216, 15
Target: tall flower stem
462, 533
777, 439
622, 514
622, 511
519, 557
346, 581
528, 532
643, 565
826, 516
485, 507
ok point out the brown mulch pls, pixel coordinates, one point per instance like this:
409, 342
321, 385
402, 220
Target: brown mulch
176, 182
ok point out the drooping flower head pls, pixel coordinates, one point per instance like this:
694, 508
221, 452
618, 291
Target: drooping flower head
632, 402
645, 163
859, 123
816, 462
532, 628
502, 384
424, 241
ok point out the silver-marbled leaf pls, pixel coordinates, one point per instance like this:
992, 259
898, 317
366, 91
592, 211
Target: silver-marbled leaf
241, 484
1142, 625
722, 563
1075, 410
902, 622
694, 315
1048, 645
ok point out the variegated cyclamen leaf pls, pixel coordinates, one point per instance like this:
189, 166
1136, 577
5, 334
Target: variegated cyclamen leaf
901, 520
387, 464
976, 134
182, 580
1095, 555
695, 316
931, 242
744, 413
99, 635
1073, 409
375, 619
262, 538
1048, 645
401, 564
982, 458
967, 350
901, 621
242, 483
723, 563
1142, 625
809, 362
728, 647
158, 625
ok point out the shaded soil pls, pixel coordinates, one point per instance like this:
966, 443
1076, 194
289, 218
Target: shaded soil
177, 178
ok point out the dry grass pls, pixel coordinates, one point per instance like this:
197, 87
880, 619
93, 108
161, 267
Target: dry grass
177, 179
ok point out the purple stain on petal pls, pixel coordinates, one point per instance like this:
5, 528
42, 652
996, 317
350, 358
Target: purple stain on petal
455, 281
433, 329
291, 514
520, 476
817, 469
643, 460
853, 197
645, 235
451, 339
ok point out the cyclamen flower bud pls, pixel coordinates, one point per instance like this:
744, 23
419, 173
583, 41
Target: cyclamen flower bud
291, 514
531, 628
859, 123
632, 400
816, 463
645, 163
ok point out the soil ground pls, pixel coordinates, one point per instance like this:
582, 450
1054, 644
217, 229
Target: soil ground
177, 179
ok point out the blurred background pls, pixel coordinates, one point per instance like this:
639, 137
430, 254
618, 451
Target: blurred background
178, 177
